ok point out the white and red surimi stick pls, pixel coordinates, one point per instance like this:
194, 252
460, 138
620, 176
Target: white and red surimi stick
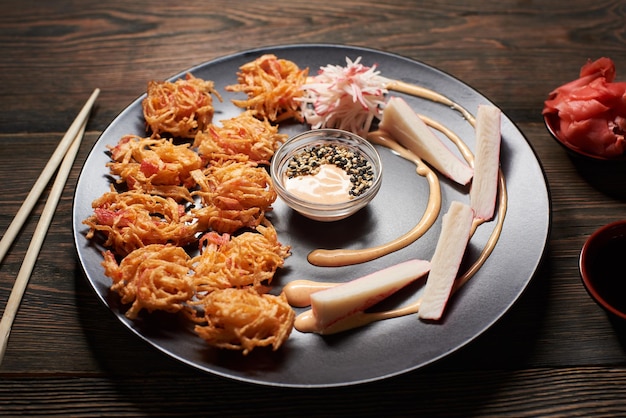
484, 188
410, 131
339, 302
456, 226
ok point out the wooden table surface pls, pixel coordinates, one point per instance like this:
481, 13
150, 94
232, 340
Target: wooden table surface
555, 353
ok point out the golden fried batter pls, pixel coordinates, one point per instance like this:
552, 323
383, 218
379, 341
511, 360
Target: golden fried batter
243, 135
155, 277
180, 108
272, 86
248, 259
155, 165
234, 195
242, 319
132, 220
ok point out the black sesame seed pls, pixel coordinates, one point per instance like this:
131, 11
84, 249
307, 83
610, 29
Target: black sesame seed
353, 163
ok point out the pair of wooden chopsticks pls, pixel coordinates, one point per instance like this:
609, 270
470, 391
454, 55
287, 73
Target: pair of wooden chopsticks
65, 154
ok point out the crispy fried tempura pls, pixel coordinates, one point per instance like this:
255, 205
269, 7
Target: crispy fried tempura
242, 135
234, 195
154, 165
181, 108
249, 259
236, 185
272, 85
132, 220
225, 289
155, 277
242, 319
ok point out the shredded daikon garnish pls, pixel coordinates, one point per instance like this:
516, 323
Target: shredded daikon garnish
347, 98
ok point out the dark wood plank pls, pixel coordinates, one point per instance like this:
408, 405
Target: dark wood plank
513, 53
502, 393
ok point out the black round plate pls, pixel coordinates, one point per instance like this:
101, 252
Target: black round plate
385, 348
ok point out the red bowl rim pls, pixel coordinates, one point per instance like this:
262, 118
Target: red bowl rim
603, 231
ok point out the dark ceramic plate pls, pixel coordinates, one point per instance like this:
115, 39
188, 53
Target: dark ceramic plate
382, 349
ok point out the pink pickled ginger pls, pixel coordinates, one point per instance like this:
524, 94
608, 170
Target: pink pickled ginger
591, 110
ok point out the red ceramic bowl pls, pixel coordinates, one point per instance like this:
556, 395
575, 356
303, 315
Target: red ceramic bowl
605, 174
552, 125
603, 269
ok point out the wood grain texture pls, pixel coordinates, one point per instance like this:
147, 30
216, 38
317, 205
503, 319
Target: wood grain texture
565, 392
556, 353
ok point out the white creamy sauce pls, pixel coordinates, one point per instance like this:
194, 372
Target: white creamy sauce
329, 185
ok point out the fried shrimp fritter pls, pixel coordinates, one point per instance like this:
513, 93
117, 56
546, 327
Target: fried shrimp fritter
234, 195
180, 108
243, 135
154, 165
248, 259
131, 220
242, 319
155, 277
272, 86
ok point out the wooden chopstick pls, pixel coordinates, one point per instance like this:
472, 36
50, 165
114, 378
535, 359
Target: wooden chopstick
77, 129
45, 176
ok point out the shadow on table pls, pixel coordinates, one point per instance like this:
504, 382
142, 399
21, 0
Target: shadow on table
619, 326
606, 177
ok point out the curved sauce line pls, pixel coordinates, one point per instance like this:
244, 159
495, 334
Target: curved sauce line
298, 292
344, 257
454, 138
302, 289
493, 238
423, 92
